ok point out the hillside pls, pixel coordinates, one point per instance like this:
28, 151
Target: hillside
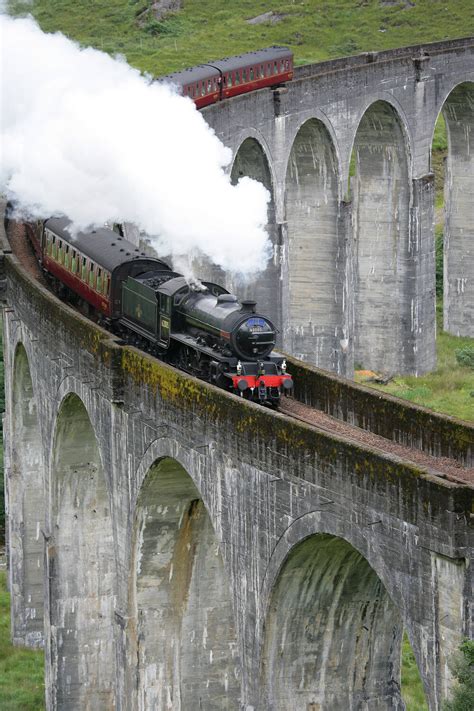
207, 29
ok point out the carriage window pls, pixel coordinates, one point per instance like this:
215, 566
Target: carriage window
74, 261
282, 65
237, 78
287, 64
84, 268
209, 85
244, 75
66, 257
251, 74
105, 287
262, 71
99, 279
91, 275
229, 80
269, 70
275, 68
203, 88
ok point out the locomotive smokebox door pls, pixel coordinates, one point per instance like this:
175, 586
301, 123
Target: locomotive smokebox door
165, 320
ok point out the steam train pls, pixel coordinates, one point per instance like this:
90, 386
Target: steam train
202, 330
208, 83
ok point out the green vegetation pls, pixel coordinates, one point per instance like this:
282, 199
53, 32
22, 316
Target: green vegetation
207, 29
21, 670
463, 668
412, 686
465, 356
448, 389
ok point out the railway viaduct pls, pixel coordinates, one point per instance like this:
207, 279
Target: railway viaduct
175, 548
353, 275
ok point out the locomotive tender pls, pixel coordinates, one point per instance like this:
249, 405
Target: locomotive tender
203, 330
208, 83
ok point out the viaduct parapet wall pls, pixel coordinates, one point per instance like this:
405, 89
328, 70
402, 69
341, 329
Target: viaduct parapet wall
345, 150
172, 545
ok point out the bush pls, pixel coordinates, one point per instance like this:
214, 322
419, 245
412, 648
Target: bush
465, 356
463, 669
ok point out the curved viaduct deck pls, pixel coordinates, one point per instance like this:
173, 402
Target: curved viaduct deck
353, 275
200, 549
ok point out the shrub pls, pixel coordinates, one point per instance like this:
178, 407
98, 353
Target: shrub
465, 356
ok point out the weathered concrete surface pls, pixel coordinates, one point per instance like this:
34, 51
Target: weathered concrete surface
459, 196
357, 263
182, 525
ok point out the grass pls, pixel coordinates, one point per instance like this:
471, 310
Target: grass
21, 670
448, 389
208, 29
412, 687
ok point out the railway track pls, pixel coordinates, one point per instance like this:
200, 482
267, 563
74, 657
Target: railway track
443, 467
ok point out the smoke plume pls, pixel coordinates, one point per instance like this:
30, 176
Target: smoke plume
87, 136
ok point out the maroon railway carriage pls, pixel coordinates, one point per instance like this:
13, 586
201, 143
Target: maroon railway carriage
224, 78
93, 265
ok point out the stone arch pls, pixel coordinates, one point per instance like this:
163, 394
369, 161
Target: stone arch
315, 330
251, 160
26, 503
181, 618
332, 633
458, 307
381, 202
81, 567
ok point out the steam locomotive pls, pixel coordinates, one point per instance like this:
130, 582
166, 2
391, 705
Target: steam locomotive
203, 330
208, 83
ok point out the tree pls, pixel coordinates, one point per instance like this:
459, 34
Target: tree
463, 670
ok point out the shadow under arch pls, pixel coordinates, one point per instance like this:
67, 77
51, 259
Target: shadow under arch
381, 194
251, 161
81, 647
26, 501
181, 629
315, 259
458, 284
332, 633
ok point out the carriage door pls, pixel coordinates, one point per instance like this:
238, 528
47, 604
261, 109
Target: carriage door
165, 320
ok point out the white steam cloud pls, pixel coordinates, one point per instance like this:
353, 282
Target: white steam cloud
87, 136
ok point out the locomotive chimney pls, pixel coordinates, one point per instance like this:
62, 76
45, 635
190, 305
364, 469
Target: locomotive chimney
248, 306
